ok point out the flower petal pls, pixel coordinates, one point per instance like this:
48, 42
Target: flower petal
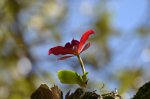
75, 42
59, 50
68, 45
84, 38
64, 57
72, 44
85, 47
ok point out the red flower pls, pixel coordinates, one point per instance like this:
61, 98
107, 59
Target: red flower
74, 47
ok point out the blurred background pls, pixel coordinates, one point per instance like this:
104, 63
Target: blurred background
118, 58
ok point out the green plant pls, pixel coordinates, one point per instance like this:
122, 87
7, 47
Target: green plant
73, 48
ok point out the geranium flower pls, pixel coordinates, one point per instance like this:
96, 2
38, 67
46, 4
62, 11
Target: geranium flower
73, 48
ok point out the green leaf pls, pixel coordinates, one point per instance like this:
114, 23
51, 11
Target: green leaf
70, 77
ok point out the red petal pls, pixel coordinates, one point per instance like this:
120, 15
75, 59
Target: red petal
68, 45
65, 57
84, 38
85, 47
59, 50
72, 44
75, 42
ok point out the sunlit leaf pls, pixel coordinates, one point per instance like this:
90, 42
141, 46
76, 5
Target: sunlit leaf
70, 77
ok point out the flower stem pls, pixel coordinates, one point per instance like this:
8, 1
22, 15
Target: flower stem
81, 63
84, 77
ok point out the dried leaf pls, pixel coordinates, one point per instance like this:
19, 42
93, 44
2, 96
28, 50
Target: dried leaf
43, 92
56, 92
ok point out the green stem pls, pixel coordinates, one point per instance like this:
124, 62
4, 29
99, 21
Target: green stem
81, 63
83, 71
